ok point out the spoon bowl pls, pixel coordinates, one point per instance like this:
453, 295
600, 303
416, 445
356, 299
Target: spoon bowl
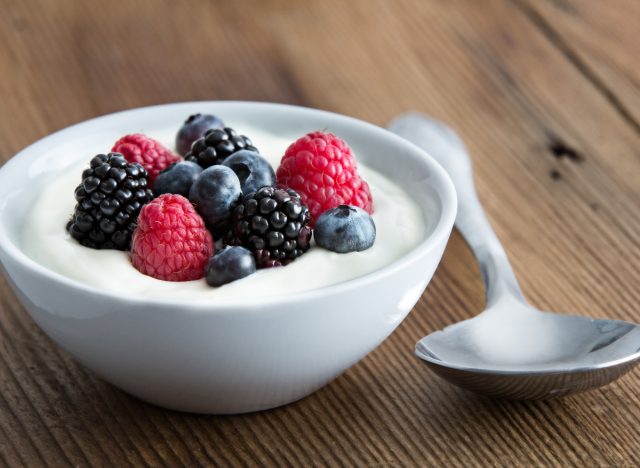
511, 349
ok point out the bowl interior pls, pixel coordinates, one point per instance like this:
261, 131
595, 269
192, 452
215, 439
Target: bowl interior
382, 151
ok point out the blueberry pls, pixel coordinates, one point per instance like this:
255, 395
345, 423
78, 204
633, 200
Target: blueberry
252, 169
229, 265
345, 229
214, 194
177, 178
193, 128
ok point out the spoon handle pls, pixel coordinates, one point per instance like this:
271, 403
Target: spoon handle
444, 145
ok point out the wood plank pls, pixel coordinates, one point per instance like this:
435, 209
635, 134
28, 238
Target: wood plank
556, 166
600, 38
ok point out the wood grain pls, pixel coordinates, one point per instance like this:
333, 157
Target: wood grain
545, 93
599, 41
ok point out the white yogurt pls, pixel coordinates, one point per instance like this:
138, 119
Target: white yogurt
399, 223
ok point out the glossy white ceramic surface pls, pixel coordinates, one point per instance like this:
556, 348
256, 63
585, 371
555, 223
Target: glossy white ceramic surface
238, 356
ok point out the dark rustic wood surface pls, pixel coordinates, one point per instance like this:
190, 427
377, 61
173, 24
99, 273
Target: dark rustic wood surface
546, 94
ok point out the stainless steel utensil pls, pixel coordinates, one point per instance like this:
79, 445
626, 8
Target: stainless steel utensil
511, 349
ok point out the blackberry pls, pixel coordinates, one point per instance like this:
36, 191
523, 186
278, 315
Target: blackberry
273, 224
216, 144
109, 200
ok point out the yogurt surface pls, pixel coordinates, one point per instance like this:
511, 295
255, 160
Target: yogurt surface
399, 223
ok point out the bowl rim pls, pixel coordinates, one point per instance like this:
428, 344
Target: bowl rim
440, 232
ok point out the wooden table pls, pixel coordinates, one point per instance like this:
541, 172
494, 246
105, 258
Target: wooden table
545, 93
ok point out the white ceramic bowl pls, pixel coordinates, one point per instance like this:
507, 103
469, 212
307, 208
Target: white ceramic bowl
244, 356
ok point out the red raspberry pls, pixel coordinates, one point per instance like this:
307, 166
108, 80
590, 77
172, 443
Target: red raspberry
139, 148
322, 169
171, 242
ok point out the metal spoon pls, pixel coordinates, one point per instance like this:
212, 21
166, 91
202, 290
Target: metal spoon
511, 350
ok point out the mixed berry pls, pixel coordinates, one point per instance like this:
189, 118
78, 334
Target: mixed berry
273, 224
171, 242
109, 199
193, 128
345, 229
214, 194
230, 264
253, 171
222, 212
147, 152
322, 169
177, 178
215, 145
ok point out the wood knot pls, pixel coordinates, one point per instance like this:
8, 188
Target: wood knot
560, 150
